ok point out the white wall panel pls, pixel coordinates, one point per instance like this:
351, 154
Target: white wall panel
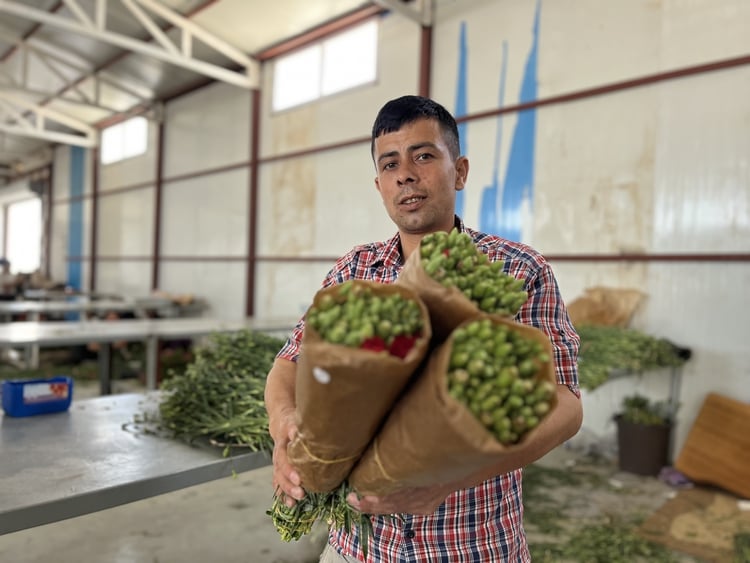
131, 171
221, 284
130, 279
320, 205
59, 242
287, 289
702, 183
595, 174
586, 43
701, 31
208, 128
206, 215
126, 223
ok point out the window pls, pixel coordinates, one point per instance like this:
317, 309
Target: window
124, 140
335, 64
24, 244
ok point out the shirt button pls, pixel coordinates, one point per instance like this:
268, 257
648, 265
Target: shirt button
409, 534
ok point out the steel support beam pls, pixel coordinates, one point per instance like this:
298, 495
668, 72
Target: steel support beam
20, 117
78, 21
420, 11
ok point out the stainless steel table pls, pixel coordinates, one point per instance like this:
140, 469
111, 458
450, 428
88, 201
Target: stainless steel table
65, 333
34, 310
62, 465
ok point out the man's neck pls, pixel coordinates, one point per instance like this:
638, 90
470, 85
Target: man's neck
409, 243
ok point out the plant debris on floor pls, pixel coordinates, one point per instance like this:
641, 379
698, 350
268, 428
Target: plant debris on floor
588, 512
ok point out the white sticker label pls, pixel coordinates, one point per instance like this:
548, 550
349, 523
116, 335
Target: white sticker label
39, 392
321, 375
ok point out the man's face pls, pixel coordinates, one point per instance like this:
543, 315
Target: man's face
417, 177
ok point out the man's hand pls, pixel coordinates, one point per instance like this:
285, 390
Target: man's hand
417, 500
283, 429
282, 422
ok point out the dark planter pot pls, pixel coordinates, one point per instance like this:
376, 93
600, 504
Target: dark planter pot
642, 449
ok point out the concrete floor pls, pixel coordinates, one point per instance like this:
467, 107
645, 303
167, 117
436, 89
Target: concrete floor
221, 521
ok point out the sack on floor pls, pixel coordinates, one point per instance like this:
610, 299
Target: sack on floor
343, 393
445, 440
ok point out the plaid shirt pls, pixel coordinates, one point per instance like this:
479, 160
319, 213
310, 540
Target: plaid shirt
482, 524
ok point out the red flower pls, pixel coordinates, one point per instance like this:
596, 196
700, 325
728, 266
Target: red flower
374, 344
402, 345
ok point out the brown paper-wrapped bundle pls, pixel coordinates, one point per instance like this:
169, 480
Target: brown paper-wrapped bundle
444, 439
343, 393
457, 282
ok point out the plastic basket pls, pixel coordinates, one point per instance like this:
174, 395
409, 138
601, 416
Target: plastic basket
26, 397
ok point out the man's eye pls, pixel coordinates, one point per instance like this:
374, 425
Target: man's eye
424, 156
389, 165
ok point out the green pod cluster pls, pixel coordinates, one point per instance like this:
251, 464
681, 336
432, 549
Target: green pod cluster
492, 371
606, 350
356, 314
220, 395
453, 260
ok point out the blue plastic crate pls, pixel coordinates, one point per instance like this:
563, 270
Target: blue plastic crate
26, 397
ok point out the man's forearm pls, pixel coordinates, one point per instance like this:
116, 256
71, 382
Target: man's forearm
279, 391
561, 424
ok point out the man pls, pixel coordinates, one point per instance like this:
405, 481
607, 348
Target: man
419, 168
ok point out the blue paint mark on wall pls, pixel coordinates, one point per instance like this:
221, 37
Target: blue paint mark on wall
461, 104
489, 208
501, 205
519, 177
75, 218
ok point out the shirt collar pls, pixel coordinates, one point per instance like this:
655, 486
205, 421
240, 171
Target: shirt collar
389, 254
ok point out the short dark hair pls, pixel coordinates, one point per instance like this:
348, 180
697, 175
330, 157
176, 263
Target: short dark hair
406, 109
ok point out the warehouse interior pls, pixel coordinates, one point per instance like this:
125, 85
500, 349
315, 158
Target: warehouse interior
175, 169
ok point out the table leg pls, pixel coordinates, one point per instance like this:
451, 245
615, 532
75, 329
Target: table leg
675, 381
152, 361
32, 357
105, 368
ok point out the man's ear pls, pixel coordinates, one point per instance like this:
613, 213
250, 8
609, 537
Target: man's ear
377, 184
462, 172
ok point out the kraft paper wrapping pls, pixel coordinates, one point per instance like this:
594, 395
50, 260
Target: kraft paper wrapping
448, 307
343, 395
431, 438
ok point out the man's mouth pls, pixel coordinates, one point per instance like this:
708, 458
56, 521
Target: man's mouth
412, 199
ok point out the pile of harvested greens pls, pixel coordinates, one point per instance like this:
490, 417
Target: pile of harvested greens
608, 349
220, 395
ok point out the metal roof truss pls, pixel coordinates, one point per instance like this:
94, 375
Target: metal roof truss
77, 20
21, 117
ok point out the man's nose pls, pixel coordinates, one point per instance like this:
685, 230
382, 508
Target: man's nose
406, 174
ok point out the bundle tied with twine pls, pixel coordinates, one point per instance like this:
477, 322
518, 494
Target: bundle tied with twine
445, 441
343, 395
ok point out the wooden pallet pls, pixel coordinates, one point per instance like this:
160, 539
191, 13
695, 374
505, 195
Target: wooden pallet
717, 449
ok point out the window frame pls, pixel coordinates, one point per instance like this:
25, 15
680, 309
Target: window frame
371, 25
125, 131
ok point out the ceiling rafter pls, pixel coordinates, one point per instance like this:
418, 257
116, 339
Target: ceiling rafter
164, 49
32, 120
420, 11
53, 60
